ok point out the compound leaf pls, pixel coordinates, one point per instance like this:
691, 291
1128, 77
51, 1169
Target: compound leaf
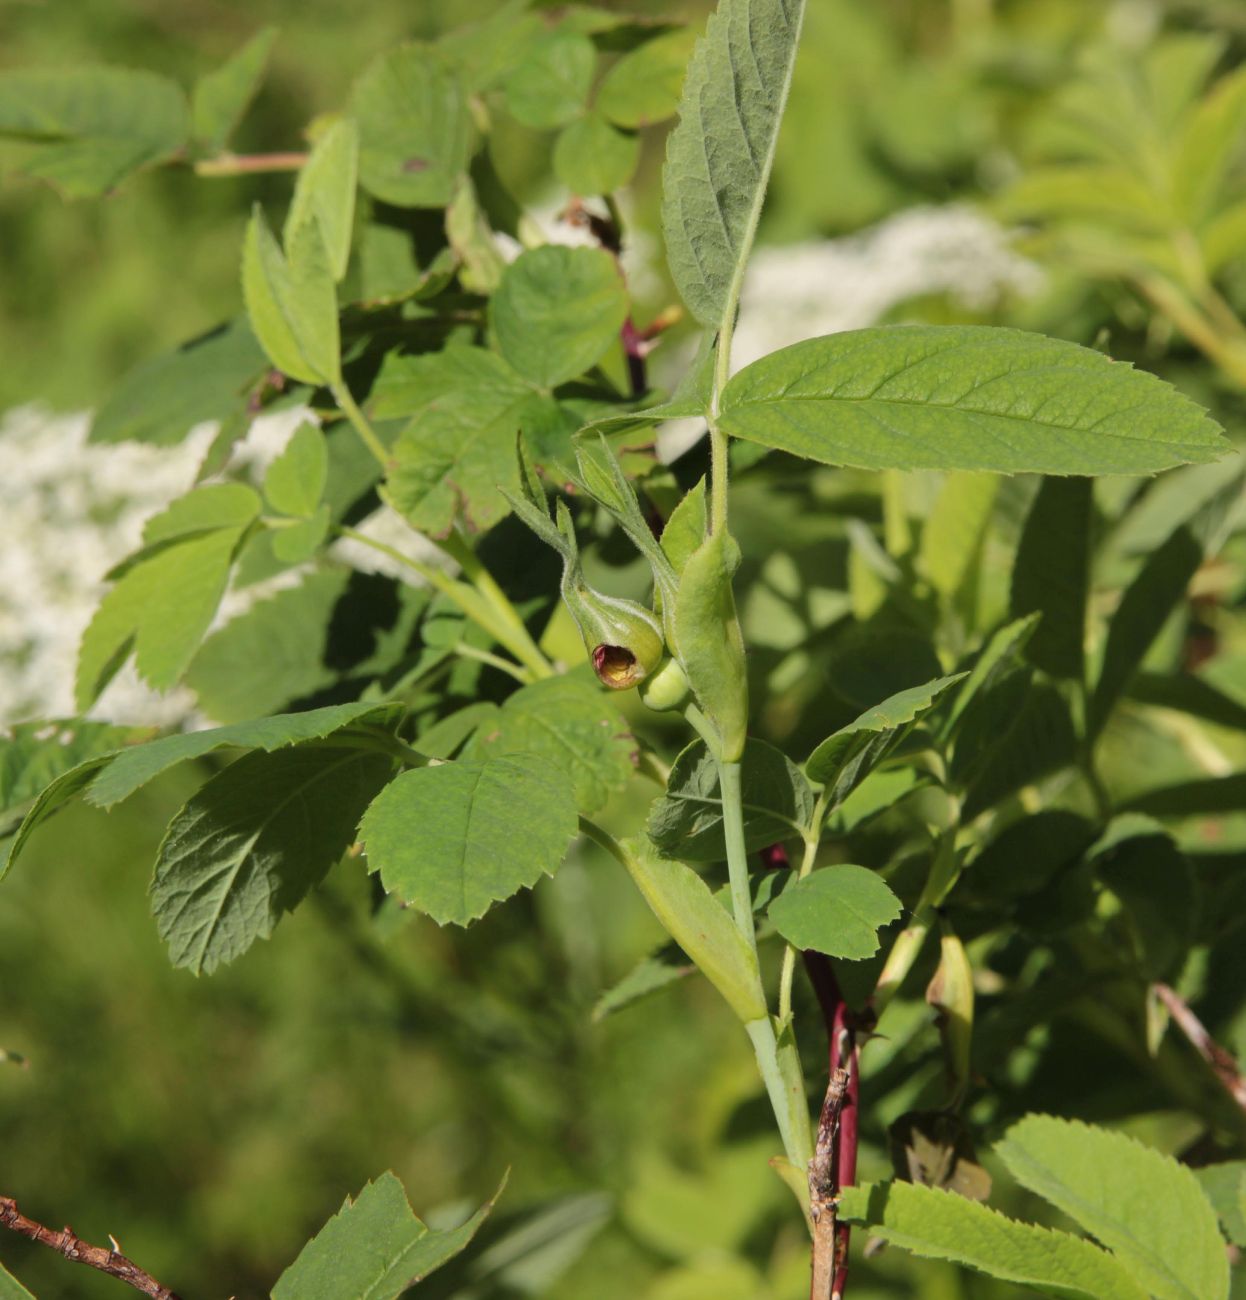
936, 1224
1144, 1206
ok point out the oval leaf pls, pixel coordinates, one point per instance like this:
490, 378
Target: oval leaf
965, 397
837, 911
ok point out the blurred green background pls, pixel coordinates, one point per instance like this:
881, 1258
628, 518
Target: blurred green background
212, 1125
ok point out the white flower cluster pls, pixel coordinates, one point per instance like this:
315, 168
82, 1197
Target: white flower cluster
72, 509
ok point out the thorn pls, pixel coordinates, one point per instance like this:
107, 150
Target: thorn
116, 1245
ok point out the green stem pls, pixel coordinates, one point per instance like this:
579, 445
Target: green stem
350, 409
511, 669
737, 854
813, 836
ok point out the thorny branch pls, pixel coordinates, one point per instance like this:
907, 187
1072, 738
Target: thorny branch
66, 1242
1223, 1064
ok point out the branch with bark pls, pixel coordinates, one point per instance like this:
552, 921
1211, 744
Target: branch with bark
67, 1242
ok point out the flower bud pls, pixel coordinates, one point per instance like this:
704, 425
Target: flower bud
666, 689
623, 638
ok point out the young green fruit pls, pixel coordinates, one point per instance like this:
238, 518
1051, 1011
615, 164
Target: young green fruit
624, 639
666, 689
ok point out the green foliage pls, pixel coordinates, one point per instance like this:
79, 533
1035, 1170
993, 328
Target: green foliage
1022, 699
965, 397
374, 1248
718, 157
838, 911
453, 840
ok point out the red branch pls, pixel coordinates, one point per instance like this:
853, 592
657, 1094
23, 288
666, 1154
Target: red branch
68, 1243
1223, 1063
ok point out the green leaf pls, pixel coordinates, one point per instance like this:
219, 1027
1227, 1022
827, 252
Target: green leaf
415, 130
65, 787
161, 608
456, 838
686, 528
719, 155
557, 311
164, 398
35, 754
1207, 795
1210, 139
253, 842
271, 654
1142, 865
1026, 856
843, 760
295, 480
222, 96
592, 157
686, 822
472, 241
1144, 1206
99, 124
11, 1288
1190, 694
300, 541
837, 910
292, 304
219, 505
459, 449
699, 924
967, 397
1224, 1185
936, 1224
1051, 575
953, 533
643, 86
486, 51
572, 725
374, 1248
550, 84
648, 976
325, 193
709, 642
1152, 596
135, 767
999, 657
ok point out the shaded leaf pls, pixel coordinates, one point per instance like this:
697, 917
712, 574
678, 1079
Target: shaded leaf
163, 399
965, 397
686, 822
1051, 575
648, 976
953, 532
593, 157
253, 842
1224, 1185
842, 761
